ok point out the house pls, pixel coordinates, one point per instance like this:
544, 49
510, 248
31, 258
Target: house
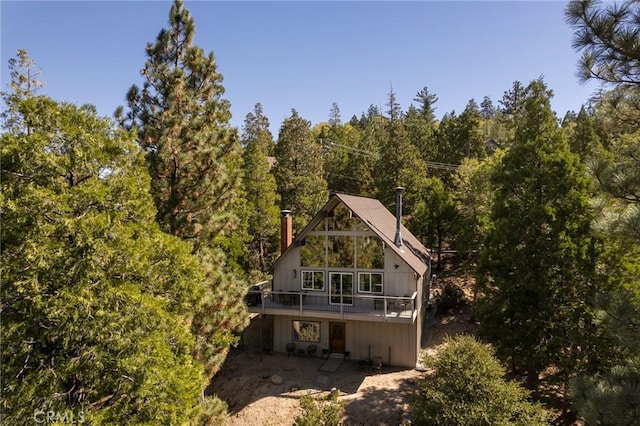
490, 146
353, 281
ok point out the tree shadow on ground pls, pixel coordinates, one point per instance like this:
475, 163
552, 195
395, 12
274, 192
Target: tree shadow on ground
244, 378
393, 405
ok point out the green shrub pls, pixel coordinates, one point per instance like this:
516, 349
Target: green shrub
320, 411
468, 388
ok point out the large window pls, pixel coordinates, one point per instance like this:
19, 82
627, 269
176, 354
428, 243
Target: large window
341, 251
341, 289
370, 252
341, 241
306, 331
340, 219
312, 280
313, 251
370, 282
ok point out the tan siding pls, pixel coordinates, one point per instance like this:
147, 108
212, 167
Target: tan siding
360, 336
399, 281
283, 272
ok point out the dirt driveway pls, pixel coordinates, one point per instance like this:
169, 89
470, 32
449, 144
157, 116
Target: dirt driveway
370, 398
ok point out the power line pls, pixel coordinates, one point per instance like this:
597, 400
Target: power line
328, 144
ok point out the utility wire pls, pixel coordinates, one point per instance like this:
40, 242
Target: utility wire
328, 144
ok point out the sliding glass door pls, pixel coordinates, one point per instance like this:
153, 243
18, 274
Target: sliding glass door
341, 288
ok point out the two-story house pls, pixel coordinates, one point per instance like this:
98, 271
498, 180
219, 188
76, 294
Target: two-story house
353, 281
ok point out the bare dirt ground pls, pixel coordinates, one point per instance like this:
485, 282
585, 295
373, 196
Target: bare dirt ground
369, 398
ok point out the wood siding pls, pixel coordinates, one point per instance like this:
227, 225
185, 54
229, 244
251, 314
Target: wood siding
400, 342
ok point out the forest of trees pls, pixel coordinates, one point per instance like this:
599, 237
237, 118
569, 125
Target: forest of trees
149, 227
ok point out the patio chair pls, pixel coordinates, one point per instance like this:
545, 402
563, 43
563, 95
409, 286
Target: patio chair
311, 350
291, 349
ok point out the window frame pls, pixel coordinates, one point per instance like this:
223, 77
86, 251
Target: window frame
341, 294
370, 290
316, 326
313, 272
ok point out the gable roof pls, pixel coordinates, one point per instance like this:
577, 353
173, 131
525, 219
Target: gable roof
383, 223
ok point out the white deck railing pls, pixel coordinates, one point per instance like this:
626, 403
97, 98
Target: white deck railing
261, 298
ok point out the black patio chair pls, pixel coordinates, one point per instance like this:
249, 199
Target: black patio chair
311, 350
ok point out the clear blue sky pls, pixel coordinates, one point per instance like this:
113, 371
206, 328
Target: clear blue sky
306, 55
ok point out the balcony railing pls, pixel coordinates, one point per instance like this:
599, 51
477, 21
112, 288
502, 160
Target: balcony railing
261, 298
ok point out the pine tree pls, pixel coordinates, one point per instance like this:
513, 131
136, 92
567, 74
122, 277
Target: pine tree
473, 196
488, 113
362, 165
339, 146
510, 110
470, 131
426, 101
536, 269
434, 217
394, 112
487, 110
607, 35
334, 115
194, 159
421, 132
261, 191
460, 136
96, 300
299, 170
24, 84
399, 163
584, 140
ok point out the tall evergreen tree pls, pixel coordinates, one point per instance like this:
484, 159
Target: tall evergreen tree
487, 110
399, 163
426, 102
394, 112
473, 196
362, 165
96, 300
422, 133
537, 265
434, 217
299, 170
460, 136
510, 110
334, 115
607, 35
488, 113
261, 191
339, 144
584, 140
24, 84
470, 130
194, 159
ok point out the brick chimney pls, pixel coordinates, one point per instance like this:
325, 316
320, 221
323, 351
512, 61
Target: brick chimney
286, 230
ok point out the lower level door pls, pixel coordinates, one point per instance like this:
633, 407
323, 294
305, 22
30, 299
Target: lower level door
337, 336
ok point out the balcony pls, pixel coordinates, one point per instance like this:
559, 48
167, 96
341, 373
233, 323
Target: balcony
263, 300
